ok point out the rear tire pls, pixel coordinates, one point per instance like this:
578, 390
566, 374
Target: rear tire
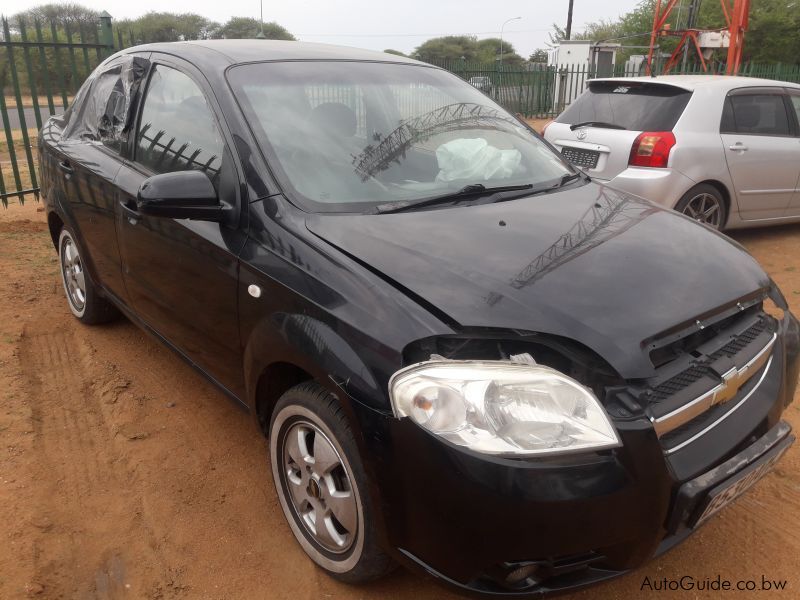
83, 298
704, 203
321, 485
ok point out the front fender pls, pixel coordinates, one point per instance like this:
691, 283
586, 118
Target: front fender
313, 346
320, 310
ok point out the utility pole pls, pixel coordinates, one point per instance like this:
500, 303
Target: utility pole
501, 37
260, 35
568, 31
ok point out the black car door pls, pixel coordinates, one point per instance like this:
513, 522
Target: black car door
181, 275
88, 163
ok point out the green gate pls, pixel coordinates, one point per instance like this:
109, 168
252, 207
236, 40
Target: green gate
41, 68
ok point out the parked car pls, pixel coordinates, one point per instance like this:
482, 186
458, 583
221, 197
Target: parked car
483, 83
468, 358
723, 150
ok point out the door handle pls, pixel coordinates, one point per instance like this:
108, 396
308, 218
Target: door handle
65, 166
738, 147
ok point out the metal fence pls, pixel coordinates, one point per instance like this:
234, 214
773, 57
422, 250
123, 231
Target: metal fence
42, 65
539, 90
41, 68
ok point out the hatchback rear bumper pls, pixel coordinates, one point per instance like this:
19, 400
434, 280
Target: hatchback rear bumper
662, 186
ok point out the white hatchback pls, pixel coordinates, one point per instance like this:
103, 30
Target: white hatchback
723, 150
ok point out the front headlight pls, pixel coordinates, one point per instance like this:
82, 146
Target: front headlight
502, 408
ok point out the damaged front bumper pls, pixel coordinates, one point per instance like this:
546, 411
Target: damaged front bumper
701, 498
522, 528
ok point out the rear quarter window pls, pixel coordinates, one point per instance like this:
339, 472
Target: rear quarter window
634, 106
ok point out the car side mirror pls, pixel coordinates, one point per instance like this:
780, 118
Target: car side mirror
180, 195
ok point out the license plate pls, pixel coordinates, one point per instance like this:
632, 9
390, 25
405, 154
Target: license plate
728, 491
580, 157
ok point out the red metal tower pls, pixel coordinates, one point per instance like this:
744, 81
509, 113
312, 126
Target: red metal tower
736, 19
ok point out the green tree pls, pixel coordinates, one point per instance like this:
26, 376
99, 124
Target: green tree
488, 50
73, 19
539, 55
774, 33
557, 35
468, 47
450, 47
247, 28
168, 27
68, 13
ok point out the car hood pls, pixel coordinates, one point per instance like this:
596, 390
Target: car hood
589, 263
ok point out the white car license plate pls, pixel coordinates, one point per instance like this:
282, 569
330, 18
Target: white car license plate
730, 491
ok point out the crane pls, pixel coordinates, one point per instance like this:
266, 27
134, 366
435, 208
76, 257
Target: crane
736, 13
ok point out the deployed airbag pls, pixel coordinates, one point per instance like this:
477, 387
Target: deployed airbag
476, 160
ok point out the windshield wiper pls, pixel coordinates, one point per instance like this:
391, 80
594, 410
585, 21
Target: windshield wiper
571, 177
596, 124
474, 189
565, 179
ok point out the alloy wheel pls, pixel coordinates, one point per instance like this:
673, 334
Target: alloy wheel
705, 208
318, 486
72, 271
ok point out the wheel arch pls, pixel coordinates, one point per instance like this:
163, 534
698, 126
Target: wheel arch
726, 196
57, 219
54, 224
287, 349
273, 381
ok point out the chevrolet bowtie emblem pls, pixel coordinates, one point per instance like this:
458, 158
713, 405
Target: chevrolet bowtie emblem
731, 382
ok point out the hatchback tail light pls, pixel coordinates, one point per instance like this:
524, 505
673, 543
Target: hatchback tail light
651, 149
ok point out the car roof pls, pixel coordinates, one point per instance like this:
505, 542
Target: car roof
210, 53
693, 82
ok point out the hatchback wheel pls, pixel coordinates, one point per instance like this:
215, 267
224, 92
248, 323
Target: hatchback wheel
321, 485
704, 204
84, 300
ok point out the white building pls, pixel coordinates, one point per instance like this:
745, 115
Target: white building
576, 62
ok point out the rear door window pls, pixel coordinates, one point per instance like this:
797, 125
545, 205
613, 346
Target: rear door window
101, 111
756, 114
634, 106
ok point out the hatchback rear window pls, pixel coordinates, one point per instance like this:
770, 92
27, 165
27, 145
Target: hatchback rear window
634, 106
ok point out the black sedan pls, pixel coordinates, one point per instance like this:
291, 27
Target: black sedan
468, 358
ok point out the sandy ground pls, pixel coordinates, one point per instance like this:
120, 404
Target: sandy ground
538, 124
124, 474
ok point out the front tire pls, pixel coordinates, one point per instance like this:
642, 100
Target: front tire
321, 485
83, 298
704, 203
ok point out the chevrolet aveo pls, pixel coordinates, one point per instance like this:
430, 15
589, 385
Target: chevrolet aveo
468, 358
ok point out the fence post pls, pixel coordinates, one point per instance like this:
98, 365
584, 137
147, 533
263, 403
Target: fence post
562, 89
106, 35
